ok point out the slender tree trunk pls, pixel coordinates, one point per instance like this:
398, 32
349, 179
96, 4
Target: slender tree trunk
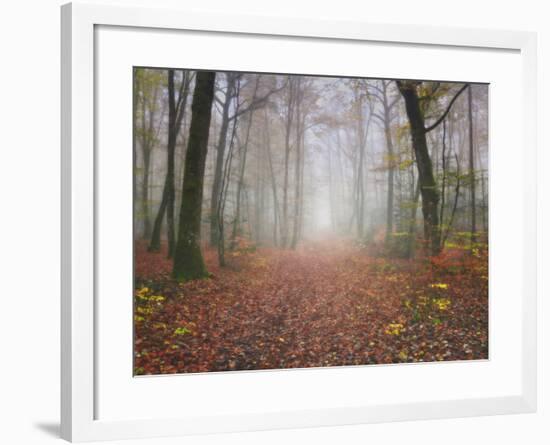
301, 208
258, 200
297, 166
150, 135
240, 185
247, 207
226, 179
220, 153
331, 191
360, 199
354, 190
360, 190
391, 169
146, 154
399, 223
412, 221
288, 126
135, 96
455, 205
244, 152
170, 172
444, 173
273, 182
180, 106
188, 260
175, 115
145, 194
180, 165
483, 201
472, 169
341, 176
154, 245
294, 239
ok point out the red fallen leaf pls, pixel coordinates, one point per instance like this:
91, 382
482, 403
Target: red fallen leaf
330, 303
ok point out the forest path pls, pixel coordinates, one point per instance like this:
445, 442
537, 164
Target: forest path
325, 304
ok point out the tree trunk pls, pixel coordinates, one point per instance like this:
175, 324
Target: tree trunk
412, 221
342, 188
443, 173
428, 189
273, 183
387, 120
331, 191
288, 126
472, 171
483, 198
391, 162
226, 179
146, 153
244, 152
294, 239
175, 116
145, 194
297, 166
259, 199
453, 211
172, 136
236, 231
301, 208
360, 187
154, 245
188, 260
220, 153
135, 95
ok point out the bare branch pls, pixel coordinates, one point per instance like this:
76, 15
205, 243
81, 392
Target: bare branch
444, 115
255, 104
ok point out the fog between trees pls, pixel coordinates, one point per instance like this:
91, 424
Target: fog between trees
260, 160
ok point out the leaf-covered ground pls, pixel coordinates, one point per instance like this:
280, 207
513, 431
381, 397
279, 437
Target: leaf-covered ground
325, 304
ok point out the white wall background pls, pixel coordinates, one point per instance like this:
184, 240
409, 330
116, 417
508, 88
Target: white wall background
29, 222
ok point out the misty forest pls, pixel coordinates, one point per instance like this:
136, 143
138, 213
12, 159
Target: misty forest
289, 221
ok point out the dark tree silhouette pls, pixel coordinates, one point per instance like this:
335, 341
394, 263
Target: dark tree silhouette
428, 186
188, 260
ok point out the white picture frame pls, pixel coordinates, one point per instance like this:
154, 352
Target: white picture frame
79, 398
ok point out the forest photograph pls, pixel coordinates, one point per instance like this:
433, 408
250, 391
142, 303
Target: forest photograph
298, 221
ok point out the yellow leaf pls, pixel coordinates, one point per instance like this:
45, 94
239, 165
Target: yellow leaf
439, 286
394, 329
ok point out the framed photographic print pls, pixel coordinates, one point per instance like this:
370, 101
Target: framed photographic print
291, 223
